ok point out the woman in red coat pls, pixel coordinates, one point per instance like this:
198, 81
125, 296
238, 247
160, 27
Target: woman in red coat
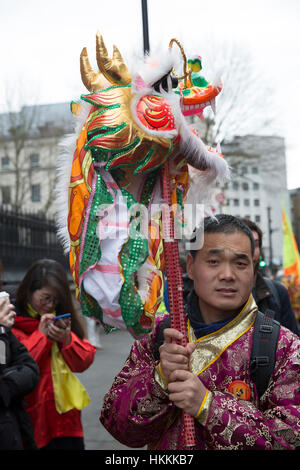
59, 348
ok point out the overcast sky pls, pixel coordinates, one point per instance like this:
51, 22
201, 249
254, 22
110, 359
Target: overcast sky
40, 44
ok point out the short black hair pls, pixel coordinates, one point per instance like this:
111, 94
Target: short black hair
255, 228
225, 223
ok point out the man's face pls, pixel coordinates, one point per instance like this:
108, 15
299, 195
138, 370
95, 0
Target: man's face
222, 272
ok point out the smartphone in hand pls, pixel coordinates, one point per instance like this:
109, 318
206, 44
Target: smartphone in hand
62, 324
65, 315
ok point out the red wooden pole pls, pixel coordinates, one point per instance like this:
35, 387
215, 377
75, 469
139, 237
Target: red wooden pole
175, 282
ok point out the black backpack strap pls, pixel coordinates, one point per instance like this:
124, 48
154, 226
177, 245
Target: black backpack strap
262, 362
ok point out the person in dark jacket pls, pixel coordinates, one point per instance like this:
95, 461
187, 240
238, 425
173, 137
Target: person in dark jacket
270, 294
19, 375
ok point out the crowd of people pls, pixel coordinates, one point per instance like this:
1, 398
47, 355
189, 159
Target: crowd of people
237, 400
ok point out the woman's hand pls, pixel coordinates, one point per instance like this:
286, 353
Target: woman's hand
45, 321
60, 331
7, 313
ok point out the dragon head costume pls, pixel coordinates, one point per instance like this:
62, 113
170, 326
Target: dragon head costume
109, 203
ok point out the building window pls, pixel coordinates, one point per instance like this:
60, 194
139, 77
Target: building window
6, 194
4, 163
254, 170
34, 160
236, 202
36, 193
245, 186
256, 186
244, 170
257, 218
247, 202
256, 202
235, 185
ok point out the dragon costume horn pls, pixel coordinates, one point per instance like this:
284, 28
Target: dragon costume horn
92, 81
115, 69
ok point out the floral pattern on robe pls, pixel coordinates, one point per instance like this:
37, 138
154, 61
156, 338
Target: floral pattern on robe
137, 410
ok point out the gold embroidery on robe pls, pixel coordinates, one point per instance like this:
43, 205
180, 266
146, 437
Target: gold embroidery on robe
210, 347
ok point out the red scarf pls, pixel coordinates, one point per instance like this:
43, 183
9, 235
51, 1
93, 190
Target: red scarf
26, 324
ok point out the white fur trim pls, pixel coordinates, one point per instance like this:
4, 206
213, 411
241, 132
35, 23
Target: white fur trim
154, 66
200, 192
196, 153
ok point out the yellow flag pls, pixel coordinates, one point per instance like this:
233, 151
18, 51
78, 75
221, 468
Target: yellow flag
291, 258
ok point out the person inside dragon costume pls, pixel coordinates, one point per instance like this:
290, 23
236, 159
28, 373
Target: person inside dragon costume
128, 126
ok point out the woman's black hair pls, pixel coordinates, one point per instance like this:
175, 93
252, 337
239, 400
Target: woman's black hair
49, 273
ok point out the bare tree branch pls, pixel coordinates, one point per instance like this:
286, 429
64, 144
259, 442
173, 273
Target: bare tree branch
20, 136
246, 104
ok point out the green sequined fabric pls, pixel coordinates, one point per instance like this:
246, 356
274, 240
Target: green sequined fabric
133, 255
91, 251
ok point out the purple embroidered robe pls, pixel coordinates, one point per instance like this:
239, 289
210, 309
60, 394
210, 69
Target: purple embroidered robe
137, 410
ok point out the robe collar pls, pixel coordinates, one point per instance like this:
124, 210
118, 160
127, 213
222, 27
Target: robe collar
211, 346
196, 320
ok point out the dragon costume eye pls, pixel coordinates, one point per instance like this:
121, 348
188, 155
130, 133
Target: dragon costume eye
167, 82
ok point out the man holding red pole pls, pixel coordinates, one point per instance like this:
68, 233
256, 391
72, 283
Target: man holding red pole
241, 396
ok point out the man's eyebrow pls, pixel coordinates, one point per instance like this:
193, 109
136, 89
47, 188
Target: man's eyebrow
241, 255
215, 251
218, 251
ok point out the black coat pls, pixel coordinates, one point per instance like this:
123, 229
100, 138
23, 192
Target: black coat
19, 374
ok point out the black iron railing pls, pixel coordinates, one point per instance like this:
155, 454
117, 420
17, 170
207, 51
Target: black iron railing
25, 238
